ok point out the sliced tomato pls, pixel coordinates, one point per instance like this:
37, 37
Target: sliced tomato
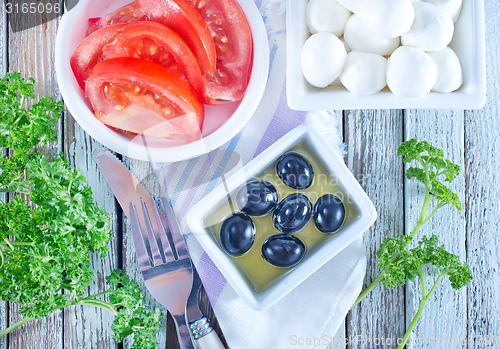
234, 48
132, 12
157, 43
179, 15
141, 97
89, 51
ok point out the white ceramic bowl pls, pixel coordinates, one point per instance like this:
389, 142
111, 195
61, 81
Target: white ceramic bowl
468, 43
221, 122
201, 217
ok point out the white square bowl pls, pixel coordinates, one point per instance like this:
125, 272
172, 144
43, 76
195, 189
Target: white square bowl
468, 43
200, 217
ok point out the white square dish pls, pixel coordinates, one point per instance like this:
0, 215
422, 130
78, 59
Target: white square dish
468, 43
360, 215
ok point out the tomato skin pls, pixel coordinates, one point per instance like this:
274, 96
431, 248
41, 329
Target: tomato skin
179, 15
234, 49
183, 124
88, 52
165, 47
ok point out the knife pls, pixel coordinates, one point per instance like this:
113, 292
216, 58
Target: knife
126, 189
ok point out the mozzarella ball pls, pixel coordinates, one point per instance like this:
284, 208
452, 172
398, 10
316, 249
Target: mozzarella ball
322, 59
364, 73
432, 29
326, 16
358, 38
387, 18
351, 5
451, 7
449, 71
410, 72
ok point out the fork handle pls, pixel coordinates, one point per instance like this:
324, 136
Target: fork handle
183, 334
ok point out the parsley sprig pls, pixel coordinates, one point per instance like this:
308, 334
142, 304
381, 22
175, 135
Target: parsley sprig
397, 261
46, 243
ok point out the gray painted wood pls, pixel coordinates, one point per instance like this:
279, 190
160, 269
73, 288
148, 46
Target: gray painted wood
3, 70
482, 192
443, 129
31, 52
469, 138
86, 326
372, 141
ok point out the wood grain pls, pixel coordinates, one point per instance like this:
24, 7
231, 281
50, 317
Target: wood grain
482, 193
31, 52
86, 326
470, 139
3, 69
372, 141
445, 130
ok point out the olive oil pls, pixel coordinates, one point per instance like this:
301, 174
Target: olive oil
256, 270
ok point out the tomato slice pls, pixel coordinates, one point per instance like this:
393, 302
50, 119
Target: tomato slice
89, 51
234, 48
157, 43
179, 15
141, 97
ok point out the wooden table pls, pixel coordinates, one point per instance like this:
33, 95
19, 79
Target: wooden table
469, 138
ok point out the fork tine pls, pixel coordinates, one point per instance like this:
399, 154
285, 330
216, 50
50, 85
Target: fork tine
140, 246
177, 237
163, 231
151, 229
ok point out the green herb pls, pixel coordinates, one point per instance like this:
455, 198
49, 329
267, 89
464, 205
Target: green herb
411, 263
397, 262
45, 245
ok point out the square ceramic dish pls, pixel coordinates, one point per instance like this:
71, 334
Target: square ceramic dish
257, 282
468, 43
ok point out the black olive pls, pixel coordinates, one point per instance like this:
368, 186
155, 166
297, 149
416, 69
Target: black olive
237, 234
257, 198
329, 213
292, 213
283, 250
295, 171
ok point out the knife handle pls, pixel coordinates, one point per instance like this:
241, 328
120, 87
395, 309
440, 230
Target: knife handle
204, 336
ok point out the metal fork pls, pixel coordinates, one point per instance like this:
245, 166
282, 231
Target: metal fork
164, 262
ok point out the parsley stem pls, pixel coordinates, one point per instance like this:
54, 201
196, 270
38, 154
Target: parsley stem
92, 296
367, 290
412, 324
420, 222
99, 304
425, 298
16, 325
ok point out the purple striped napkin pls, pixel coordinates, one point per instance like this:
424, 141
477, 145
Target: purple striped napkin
323, 299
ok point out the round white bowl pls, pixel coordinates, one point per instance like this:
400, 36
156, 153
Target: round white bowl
221, 123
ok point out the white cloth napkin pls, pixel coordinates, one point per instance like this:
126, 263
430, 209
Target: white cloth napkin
314, 310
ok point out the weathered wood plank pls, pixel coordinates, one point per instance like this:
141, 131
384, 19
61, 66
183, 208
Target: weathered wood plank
90, 327
31, 52
372, 140
445, 315
3, 69
482, 192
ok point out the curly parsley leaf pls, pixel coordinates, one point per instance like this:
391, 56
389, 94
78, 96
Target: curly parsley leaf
45, 244
132, 318
433, 166
397, 261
